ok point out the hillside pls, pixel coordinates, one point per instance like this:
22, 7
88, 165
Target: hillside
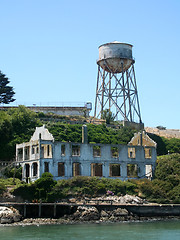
166, 133
18, 125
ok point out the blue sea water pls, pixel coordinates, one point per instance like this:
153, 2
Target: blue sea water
157, 230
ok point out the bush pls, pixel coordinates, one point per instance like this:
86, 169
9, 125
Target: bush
168, 166
2, 188
11, 181
13, 172
174, 194
90, 186
26, 192
38, 190
44, 185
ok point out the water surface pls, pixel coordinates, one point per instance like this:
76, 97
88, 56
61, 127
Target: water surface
159, 230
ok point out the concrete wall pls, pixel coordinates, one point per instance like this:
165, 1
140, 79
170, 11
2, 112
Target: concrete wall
64, 111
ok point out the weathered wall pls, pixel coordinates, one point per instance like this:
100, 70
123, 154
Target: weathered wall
64, 111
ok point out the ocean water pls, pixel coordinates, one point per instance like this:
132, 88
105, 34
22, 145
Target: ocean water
157, 230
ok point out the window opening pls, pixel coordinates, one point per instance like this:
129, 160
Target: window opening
46, 167
33, 150
75, 150
76, 169
63, 150
114, 170
20, 154
114, 152
35, 169
96, 169
96, 151
148, 152
131, 153
27, 168
48, 150
132, 170
26, 152
148, 171
61, 170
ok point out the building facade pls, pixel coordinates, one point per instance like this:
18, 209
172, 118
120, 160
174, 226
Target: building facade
66, 159
62, 111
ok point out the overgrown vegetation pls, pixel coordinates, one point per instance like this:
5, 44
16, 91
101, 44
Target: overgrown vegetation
9, 182
17, 125
38, 190
12, 172
164, 145
45, 189
165, 188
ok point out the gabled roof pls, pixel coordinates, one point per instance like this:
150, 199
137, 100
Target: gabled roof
142, 139
42, 133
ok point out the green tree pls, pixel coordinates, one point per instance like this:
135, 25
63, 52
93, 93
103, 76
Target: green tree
172, 145
6, 92
168, 168
161, 144
44, 185
108, 116
13, 172
16, 126
6, 133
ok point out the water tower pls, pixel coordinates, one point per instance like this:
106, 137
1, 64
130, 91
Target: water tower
116, 83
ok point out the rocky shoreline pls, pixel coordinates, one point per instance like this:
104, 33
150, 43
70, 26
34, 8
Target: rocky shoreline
83, 215
87, 214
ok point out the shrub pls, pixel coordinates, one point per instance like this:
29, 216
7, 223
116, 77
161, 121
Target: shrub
168, 165
26, 191
13, 172
44, 185
2, 188
174, 194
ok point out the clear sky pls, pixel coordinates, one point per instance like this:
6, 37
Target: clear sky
49, 48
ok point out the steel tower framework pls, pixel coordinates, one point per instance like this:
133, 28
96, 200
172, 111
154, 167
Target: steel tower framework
117, 92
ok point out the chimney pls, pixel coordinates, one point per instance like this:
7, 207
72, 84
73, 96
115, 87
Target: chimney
141, 139
84, 134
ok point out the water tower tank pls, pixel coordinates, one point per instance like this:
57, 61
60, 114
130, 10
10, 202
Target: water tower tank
112, 55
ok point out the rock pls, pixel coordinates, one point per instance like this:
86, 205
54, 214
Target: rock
76, 215
89, 216
120, 212
9, 215
104, 214
5, 220
86, 214
72, 200
17, 218
127, 199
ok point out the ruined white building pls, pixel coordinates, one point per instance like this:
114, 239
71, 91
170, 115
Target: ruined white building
66, 159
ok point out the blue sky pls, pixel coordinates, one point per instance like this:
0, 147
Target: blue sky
49, 50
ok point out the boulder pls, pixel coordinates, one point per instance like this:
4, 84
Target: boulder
120, 212
9, 215
104, 214
86, 214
